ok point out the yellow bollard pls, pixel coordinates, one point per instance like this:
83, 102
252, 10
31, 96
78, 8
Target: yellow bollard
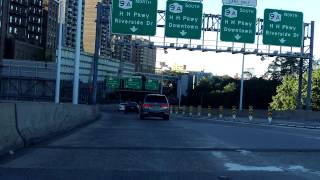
250, 113
183, 110
270, 115
190, 110
177, 109
171, 109
221, 112
209, 111
234, 112
199, 110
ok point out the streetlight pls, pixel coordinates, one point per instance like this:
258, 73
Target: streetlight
58, 77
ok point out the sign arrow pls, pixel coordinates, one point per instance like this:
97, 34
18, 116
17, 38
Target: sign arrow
237, 37
183, 33
282, 40
134, 29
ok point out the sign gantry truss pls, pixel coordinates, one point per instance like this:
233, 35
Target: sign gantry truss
210, 40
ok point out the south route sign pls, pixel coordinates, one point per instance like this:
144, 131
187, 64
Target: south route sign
112, 82
134, 17
238, 24
133, 83
283, 28
183, 19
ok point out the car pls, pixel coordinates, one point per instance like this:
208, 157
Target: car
155, 105
132, 107
122, 107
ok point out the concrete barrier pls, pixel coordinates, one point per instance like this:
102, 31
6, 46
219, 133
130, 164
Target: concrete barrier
9, 137
38, 121
22, 124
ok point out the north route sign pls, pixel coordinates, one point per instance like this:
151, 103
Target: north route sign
134, 17
238, 24
183, 19
283, 28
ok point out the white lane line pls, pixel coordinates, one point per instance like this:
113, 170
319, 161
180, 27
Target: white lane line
239, 167
219, 155
299, 168
244, 152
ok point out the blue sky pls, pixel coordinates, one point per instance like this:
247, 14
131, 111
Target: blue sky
228, 64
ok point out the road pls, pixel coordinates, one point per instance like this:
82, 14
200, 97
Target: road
120, 146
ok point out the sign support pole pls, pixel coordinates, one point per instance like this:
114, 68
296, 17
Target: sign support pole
309, 94
242, 81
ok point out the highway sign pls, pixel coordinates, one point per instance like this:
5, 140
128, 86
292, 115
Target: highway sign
183, 19
238, 24
283, 28
152, 85
134, 17
252, 3
112, 82
133, 83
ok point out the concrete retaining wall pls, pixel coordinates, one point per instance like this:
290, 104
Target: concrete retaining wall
38, 121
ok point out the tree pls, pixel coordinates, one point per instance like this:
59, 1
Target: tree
287, 92
280, 67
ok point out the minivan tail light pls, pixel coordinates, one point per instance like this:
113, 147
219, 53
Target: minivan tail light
147, 105
165, 106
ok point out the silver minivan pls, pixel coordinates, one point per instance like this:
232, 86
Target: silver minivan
155, 105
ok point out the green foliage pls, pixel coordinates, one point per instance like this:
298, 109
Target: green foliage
224, 90
286, 94
316, 90
231, 87
281, 67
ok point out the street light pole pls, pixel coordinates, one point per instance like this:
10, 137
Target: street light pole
161, 92
242, 81
77, 55
58, 76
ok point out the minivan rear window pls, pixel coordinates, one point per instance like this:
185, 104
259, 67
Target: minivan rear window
156, 99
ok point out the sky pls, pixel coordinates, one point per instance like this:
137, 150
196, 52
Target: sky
230, 64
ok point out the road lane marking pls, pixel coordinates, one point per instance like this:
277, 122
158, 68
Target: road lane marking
239, 167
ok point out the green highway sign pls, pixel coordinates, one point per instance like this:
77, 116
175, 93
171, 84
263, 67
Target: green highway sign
152, 85
238, 24
133, 83
183, 19
283, 28
112, 82
134, 17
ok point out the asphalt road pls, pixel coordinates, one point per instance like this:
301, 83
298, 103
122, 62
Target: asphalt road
120, 146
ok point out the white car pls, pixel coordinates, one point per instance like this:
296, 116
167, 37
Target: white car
122, 107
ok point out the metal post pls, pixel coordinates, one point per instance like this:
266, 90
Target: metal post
58, 77
309, 94
96, 55
77, 55
299, 103
161, 92
242, 82
180, 87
